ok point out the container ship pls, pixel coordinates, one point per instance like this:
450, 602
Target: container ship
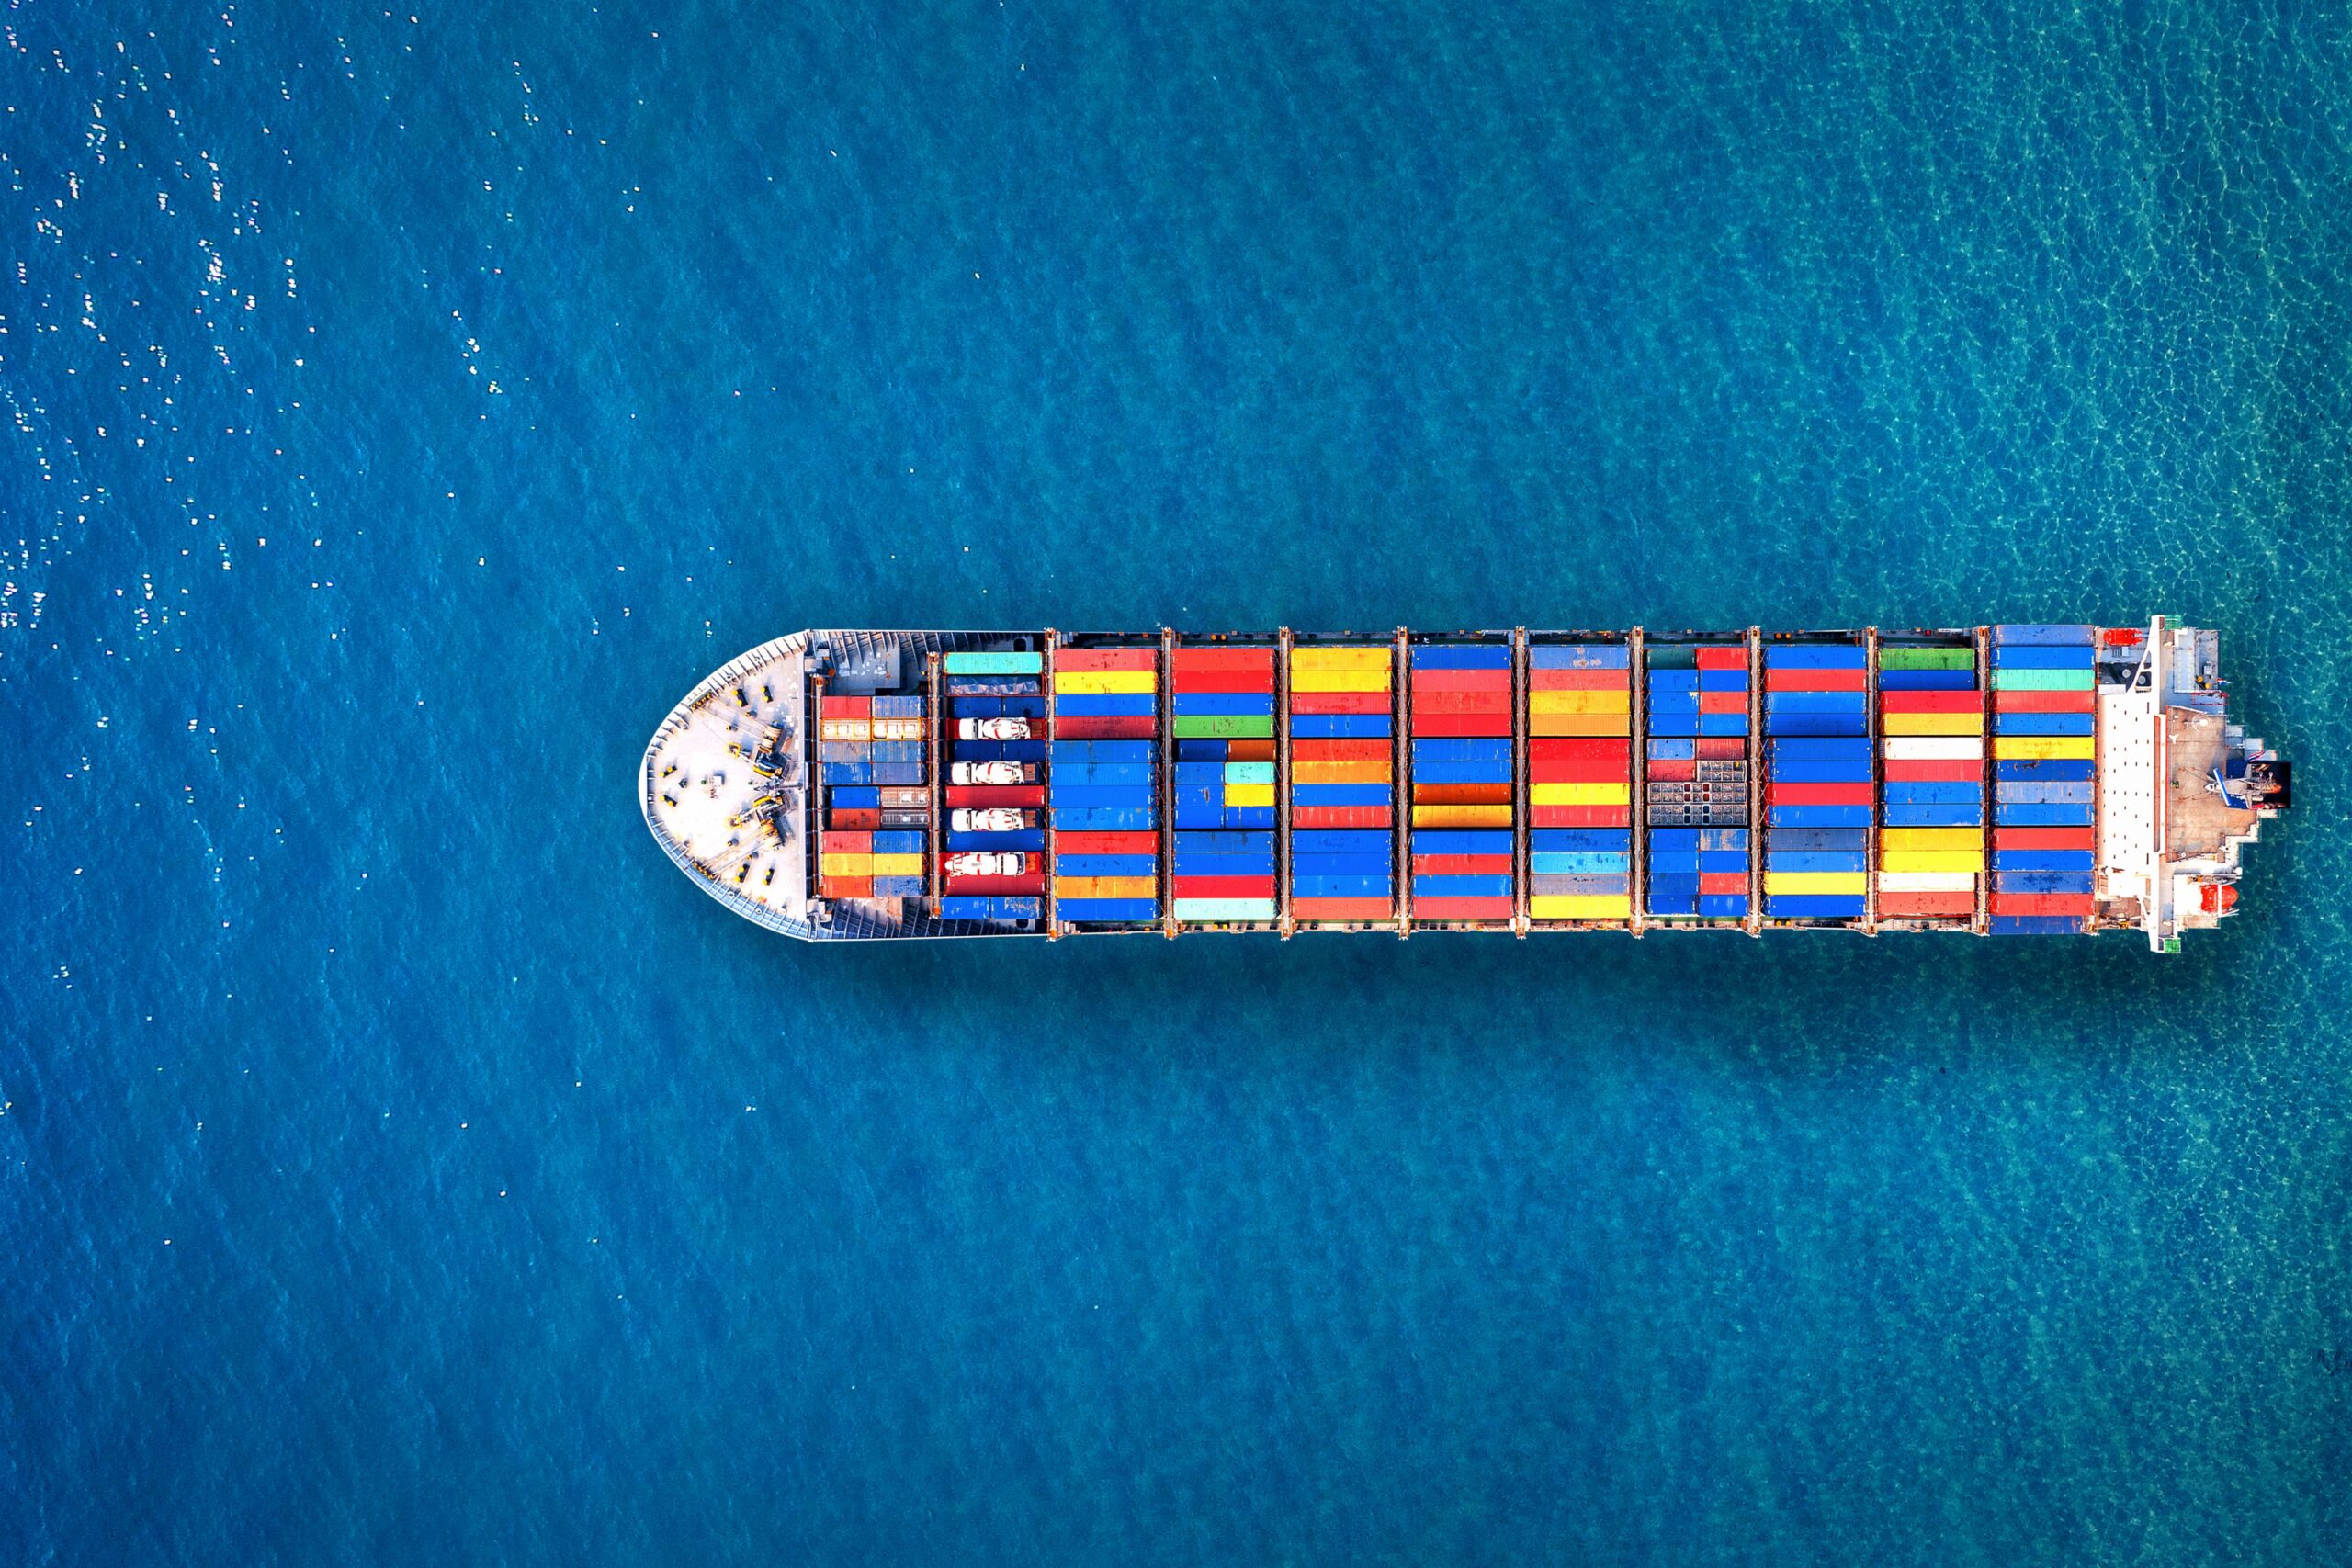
1997, 781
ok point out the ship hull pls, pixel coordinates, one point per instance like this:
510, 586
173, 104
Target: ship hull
2017, 779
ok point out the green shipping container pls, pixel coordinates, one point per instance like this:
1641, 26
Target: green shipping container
994, 663
1225, 726
1925, 658
1207, 909
2027, 680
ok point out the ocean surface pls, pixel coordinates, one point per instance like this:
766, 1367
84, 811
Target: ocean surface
401, 1163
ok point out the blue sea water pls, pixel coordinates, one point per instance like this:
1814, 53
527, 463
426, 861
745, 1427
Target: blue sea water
404, 1165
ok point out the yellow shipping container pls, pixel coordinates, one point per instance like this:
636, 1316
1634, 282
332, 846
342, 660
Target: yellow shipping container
1341, 659
2045, 748
1933, 860
898, 865
1931, 839
1816, 882
1373, 772
1340, 679
1579, 724
1462, 816
1104, 887
1104, 682
847, 866
1579, 702
1580, 906
1597, 794
1248, 795
1931, 724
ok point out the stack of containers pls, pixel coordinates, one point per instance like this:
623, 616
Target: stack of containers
1462, 782
1580, 782
982, 687
1224, 700
1817, 795
853, 802
1342, 796
2045, 752
1106, 788
1931, 823
1697, 769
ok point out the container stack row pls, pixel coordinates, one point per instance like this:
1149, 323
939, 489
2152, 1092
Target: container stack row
1462, 819
1105, 789
1224, 721
1342, 790
1580, 782
2045, 754
993, 860
1698, 780
872, 751
1931, 824
1817, 800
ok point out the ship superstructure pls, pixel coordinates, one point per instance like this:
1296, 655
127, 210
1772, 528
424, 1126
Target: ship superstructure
2002, 780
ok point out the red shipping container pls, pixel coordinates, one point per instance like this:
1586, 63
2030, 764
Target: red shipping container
1577, 772
845, 887
1578, 680
2045, 838
1816, 680
1606, 749
1462, 909
1340, 816
846, 707
2045, 702
1462, 795
1723, 748
1732, 657
1672, 770
1462, 865
1253, 683
1461, 702
1095, 659
1579, 816
1461, 681
1931, 702
863, 818
1339, 702
1959, 770
1717, 883
1921, 905
1341, 750
1342, 909
1820, 794
1027, 882
1252, 750
1722, 702
996, 794
2044, 903
1121, 844
1224, 887
1242, 660
844, 843
1069, 728
1433, 726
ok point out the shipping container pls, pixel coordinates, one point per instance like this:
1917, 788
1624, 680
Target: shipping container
1461, 776
1931, 809
2045, 752
1818, 780
1342, 801
1222, 707
1697, 797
